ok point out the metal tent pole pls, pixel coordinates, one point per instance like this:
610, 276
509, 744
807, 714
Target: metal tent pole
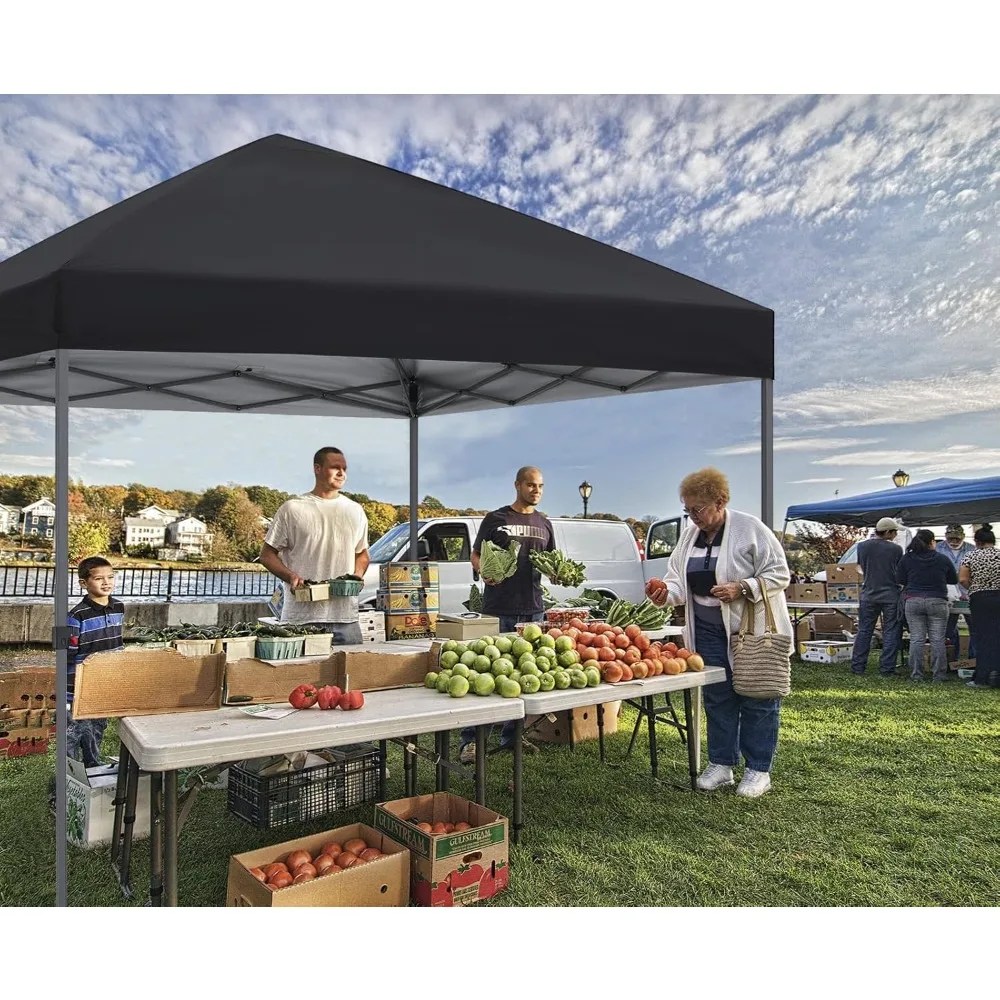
414, 402
767, 451
61, 610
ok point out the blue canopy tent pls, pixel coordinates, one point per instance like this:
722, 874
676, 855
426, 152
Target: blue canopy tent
938, 501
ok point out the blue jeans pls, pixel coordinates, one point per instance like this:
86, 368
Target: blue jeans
83, 739
952, 635
508, 623
736, 725
344, 633
927, 618
868, 614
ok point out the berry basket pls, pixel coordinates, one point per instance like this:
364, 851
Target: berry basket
351, 779
346, 588
279, 648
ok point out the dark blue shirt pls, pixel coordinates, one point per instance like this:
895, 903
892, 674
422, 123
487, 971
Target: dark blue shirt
878, 559
925, 574
94, 628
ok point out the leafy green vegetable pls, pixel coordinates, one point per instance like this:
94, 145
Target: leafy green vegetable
561, 571
498, 564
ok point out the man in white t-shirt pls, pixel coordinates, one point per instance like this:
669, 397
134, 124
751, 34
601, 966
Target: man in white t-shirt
319, 536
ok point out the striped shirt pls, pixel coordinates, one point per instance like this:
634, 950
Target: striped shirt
94, 628
701, 577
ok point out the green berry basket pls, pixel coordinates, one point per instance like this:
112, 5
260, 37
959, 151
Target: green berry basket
346, 588
279, 648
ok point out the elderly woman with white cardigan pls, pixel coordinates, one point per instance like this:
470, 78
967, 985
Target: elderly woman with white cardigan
714, 570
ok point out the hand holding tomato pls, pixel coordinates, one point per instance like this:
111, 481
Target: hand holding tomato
656, 591
304, 696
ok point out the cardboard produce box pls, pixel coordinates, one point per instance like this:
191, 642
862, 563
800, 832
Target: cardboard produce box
260, 682
377, 666
408, 576
382, 882
826, 652
806, 593
396, 601
832, 622
27, 711
449, 869
578, 725
147, 682
843, 573
464, 628
803, 631
412, 625
90, 804
837, 593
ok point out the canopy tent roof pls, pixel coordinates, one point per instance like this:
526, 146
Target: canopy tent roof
938, 501
340, 282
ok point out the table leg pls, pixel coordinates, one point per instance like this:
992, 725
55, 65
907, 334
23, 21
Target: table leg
692, 709
481, 734
635, 728
170, 836
444, 772
131, 795
600, 731
119, 803
382, 751
651, 724
409, 769
518, 747
156, 839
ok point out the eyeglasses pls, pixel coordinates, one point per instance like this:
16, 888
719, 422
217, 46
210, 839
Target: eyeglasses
696, 511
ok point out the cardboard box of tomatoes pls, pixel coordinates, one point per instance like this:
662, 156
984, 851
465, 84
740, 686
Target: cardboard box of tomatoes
459, 852
347, 880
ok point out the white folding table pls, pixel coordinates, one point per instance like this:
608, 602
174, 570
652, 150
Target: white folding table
160, 744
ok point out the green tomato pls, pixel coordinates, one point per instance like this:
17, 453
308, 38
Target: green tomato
532, 632
545, 642
459, 687
493, 653
530, 669
484, 684
468, 658
593, 676
577, 679
478, 647
526, 658
483, 663
564, 644
503, 643
546, 653
521, 646
449, 646
443, 683
449, 658
561, 679
461, 648
547, 682
501, 668
570, 657
515, 676
430, 681
530, 684
461, 670
510, 689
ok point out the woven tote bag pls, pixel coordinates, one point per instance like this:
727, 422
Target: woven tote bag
761, 663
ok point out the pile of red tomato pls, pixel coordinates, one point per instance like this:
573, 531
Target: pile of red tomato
300, 866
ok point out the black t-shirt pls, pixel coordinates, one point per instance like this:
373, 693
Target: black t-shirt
523, 590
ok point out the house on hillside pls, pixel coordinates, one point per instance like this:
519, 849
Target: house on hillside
190, 535
154, 513
39, 518
142, 531
10, 519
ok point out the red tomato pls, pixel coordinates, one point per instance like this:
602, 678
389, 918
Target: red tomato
280, 879
585, 639
622, 641
605, 654
258, 874
332, 848
438, 827
370, 854
554, 632
612, 673
347, 860
641, 643
632, 655
620, 654
308, 868
303, 876
626, 672
589, 653
577, 623
671, 648
328, 696
462, 825
351, 699
633, 631
272, 869
297, 858
304, 696
322, 863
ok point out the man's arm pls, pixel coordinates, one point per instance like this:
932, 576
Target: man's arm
272, 561
361, 561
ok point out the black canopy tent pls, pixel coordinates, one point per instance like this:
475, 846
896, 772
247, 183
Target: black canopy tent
287, 278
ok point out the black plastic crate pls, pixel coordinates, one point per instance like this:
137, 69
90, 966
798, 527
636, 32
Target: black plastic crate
278, 800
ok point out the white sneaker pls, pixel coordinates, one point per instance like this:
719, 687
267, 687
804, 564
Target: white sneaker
715, 776
754, 784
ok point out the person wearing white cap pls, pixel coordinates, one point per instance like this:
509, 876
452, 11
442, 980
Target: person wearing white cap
878, 558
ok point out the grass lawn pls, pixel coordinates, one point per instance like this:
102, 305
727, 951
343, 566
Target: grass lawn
885, 793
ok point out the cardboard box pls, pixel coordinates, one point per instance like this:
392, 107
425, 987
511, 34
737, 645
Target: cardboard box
408, 576
843, 573
449, 869
90, 804
843, 592
803, 631
826, 652
408, 600
259, 682
806, 593
377, 666
834, 622
382, 882
312, 592
578, 725
147, 682
27, 711
462, 628
414, 625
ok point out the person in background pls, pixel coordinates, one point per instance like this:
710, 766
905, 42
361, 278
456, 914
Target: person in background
980, 574
956, 549
878, 557
519, 597
96, 625
717, 566
924, 575
319, 536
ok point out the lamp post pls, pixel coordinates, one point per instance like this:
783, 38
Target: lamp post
585, 490
900, 478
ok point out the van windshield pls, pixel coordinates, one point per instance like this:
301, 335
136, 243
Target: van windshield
391, 542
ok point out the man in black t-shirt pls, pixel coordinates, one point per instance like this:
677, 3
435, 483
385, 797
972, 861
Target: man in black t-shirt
519, 597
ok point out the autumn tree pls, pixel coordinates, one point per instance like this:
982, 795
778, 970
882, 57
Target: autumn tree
819, 545
105, 499
268, 499
184, 501
19, 491
209, 507
239, 520
381, 517
140, 496
87, 538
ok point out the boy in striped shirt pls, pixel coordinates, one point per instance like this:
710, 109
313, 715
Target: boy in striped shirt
95, 626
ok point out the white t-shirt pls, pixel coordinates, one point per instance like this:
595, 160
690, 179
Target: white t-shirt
318, 539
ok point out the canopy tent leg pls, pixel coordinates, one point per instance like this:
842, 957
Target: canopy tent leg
767, 451
61, 610
414, 487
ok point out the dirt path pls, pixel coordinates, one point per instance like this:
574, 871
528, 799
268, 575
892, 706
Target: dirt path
12, 656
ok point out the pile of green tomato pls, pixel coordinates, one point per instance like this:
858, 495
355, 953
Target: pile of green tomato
510, 665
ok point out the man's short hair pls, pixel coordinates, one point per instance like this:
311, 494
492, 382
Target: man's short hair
523, 472
320, 455
88, 565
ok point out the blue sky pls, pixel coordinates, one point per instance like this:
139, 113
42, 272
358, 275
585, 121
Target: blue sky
869, 224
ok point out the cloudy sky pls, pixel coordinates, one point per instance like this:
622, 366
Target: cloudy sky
869, 225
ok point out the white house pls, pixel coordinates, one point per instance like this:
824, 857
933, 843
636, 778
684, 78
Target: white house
39, 518
190, 535
154, 513
10, 519
144, 531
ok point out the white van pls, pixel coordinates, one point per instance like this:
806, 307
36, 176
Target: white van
615, 566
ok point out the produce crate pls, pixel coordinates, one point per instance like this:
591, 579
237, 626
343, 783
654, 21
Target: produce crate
280, 648
317, 645
346, 588
195, 647
312, 592
280, 799
240, 649
557, 617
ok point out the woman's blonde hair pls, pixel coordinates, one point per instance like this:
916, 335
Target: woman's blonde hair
708, 485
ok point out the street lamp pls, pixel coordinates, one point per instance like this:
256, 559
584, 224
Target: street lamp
585, 490
900, 478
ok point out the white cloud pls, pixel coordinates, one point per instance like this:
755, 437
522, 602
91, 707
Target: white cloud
795, 444
799, 482
949, 461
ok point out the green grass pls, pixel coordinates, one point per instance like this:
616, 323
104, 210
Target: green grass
885, 793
